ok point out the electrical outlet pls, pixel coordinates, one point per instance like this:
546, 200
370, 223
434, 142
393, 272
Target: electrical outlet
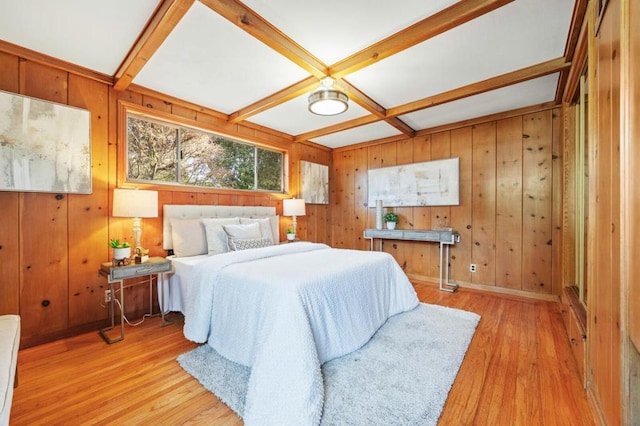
107, 296
472, 267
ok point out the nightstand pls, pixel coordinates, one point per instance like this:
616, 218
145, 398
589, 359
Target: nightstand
155, 266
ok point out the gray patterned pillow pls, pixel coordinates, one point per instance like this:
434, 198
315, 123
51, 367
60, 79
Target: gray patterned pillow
249, 243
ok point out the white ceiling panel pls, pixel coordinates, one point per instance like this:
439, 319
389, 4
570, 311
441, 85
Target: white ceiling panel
213, 61
508, 98
94, 34
210, 62
300, 119
359, 134
501, 41
334, 29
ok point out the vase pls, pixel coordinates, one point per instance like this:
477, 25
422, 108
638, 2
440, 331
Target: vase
378, 214
121, 253
391, 225
291, 237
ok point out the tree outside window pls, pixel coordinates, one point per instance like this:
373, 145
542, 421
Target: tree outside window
166, 153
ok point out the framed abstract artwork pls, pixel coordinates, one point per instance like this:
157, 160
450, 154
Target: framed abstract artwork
314, 183
44, 146
431, 183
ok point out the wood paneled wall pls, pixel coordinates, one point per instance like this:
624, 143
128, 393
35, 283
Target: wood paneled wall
603, 244
510, 212
51, 245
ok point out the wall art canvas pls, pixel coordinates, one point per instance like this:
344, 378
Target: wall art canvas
44, 146
431, 183
314, 183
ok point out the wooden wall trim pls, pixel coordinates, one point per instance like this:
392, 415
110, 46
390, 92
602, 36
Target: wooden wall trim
41, 58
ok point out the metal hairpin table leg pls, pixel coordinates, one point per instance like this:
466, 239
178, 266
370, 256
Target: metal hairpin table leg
450, 287
103, 332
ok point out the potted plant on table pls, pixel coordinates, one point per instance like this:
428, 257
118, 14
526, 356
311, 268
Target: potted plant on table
291, 235
391, 219
121, 250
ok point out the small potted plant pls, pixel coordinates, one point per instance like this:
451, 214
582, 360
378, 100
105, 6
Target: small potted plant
391, 219
121, 250
290, 234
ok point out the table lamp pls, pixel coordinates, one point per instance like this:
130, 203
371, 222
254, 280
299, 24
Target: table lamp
293, 207
136, 204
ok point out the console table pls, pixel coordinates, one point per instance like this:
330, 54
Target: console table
445, 237
117, 274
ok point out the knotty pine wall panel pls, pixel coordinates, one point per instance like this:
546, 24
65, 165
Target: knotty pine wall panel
404, 249
43, 225
491, 210
557, 194
569, 206
360, 158
424, 257
440, 215
345, 201
462, 214
88, 220
536, 202
603, 310
44, 296
509, 203
374, 154
483, 203
9, 233
633, 192
9, 253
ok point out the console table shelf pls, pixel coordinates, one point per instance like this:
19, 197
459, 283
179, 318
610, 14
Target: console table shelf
445, 237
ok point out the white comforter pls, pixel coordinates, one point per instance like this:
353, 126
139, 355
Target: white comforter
287, 309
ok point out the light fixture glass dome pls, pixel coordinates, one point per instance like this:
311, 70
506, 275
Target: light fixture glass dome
327, 100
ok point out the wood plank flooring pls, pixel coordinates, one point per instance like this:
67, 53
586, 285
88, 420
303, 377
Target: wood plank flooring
519, 370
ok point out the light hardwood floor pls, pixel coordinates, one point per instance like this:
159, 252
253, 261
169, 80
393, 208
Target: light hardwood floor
519, 370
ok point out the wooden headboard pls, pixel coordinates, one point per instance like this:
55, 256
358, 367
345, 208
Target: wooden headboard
191, 211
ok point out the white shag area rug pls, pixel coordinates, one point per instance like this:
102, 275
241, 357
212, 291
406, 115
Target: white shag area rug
401, 377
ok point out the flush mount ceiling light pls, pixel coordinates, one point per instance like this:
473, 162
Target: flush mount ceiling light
328, 100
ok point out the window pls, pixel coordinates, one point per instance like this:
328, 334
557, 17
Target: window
166, 153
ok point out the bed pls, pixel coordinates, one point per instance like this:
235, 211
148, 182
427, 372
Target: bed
283, 310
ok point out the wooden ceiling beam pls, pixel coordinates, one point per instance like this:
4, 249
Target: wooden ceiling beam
458, 14
575, 51
514, 77
375, 108
518, 76
345, 125
164, 20
275, 99
252, 23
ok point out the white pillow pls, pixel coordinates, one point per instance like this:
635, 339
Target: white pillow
265, 226
188, 237
241, 232
216, 237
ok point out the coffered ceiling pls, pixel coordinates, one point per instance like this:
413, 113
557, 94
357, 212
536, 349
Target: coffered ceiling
407, 66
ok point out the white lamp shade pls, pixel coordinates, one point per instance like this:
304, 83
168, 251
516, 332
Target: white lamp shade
293, 207
135, 203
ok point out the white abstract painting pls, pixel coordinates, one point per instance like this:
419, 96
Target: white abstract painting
432, 183
314, 183
44, 147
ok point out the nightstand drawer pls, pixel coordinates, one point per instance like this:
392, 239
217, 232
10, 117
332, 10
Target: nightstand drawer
153, 266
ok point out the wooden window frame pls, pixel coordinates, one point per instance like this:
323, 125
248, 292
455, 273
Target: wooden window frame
124, 108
